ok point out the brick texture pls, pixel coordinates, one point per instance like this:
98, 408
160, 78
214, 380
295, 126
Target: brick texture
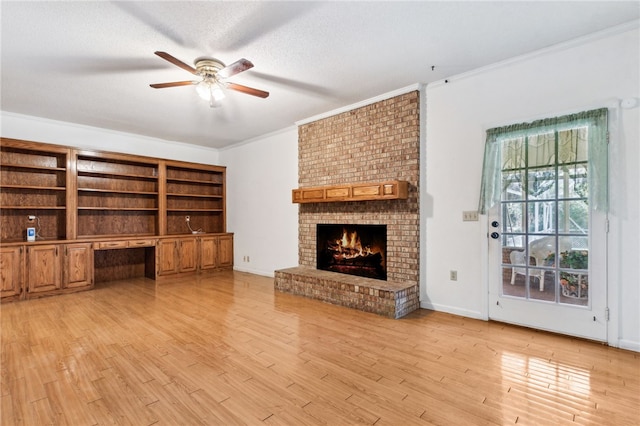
377, 142
392, 300
373, 143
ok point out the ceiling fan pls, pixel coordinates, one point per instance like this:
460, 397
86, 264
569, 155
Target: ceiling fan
213, 72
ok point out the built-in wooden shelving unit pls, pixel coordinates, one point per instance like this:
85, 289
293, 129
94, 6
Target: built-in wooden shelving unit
116, 195
197, 193
125, 214
33, 182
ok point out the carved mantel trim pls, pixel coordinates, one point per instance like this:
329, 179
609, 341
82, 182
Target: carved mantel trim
389, 190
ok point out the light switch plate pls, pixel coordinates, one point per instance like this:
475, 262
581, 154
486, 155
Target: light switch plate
469, 216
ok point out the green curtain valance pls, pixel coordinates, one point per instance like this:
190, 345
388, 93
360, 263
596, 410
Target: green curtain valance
596, 123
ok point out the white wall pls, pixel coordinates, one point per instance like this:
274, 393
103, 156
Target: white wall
37, 129
260, 177
588, 74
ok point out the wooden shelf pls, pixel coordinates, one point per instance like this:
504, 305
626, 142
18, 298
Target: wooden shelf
34, 187
389, 190
116, 191
124, 209
29, 167
196, 210
115, 175
33, 207
194, 181
195, 196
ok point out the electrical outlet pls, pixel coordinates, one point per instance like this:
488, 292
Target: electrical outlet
470, 216
187, 218
248, 260
245, 259
453, 275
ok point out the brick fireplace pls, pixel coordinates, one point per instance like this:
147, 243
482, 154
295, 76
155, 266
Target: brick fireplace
376, 142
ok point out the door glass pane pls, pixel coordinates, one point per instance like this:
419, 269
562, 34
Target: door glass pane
541, 150
542, 184
545, 218
541, 217
543, 285
572, 146
513, 184
513, 218
573, 217
573, 182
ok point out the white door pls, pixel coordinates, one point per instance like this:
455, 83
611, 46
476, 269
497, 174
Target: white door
547, 247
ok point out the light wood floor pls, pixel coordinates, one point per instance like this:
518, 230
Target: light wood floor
225, 349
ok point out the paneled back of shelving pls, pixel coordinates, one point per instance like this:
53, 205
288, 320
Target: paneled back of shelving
32, 182
197, 193
116, 196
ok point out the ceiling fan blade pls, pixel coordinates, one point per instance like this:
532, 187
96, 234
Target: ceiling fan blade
247, 90
173, 84
176, 62
235, 68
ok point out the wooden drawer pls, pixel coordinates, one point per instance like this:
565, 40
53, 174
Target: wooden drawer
142, 243
108, 245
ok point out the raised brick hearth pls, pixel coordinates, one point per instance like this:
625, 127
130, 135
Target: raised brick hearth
375, 143
387, 298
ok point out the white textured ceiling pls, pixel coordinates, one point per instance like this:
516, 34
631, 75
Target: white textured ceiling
92, 62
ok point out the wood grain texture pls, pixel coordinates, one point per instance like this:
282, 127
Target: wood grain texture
223, 348
391, 190
83, 194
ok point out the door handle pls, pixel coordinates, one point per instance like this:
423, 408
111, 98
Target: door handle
495, 235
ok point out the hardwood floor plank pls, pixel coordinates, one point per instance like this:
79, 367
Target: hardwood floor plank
67, 406
218, 414
124, 400
225, 349
174, 406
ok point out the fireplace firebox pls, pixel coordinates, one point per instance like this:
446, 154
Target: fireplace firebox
353, 249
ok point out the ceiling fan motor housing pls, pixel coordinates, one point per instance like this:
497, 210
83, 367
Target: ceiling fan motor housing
208, 67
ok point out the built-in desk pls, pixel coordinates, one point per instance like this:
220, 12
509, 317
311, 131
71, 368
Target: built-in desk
118, 259
44, 268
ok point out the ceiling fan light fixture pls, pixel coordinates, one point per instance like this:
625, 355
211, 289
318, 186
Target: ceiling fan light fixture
210, 91
217, 93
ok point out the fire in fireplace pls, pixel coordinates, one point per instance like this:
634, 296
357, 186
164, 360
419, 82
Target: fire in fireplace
353, 249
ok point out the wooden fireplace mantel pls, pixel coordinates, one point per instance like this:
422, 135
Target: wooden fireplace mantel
389, 190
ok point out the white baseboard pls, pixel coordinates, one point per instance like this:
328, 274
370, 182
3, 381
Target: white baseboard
254, 271
629, 345
452, 310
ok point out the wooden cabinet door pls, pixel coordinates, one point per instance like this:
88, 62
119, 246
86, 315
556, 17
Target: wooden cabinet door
78, 265
187, 254
225, 250
11, 271
208, 252
43, 268
167, 259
